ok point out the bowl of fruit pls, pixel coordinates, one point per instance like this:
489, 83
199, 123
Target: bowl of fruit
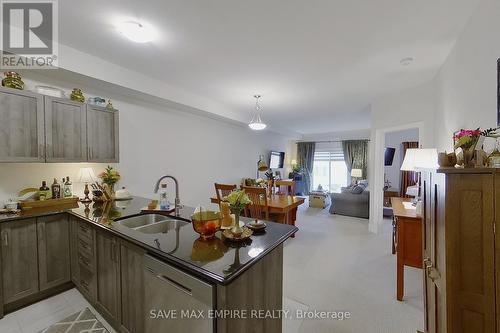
206, 223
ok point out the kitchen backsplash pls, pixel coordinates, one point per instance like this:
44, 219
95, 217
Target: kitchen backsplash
17, 176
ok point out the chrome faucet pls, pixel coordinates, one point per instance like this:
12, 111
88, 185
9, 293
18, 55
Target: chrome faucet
177, 200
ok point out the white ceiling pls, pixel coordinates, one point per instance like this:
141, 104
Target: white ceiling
317, 63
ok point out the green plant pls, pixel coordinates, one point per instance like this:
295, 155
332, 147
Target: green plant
110, 176
237, 201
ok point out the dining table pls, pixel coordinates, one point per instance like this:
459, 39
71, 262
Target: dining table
283, 206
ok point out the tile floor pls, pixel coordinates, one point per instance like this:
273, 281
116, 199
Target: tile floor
334, 264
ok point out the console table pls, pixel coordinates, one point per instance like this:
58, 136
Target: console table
407, 240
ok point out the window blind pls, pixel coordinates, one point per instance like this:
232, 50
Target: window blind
329, 152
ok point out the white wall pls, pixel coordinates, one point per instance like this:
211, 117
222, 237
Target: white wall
467, 82
395, 140
156, 140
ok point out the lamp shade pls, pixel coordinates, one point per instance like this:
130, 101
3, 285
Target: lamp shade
261, 164
419, 158
357, 173
294, 162
86, 175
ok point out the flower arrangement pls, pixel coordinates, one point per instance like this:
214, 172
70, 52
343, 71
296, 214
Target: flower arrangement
466, 139
261, 182
237, 201
110, 176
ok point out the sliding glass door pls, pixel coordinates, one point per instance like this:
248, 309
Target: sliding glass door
329, 169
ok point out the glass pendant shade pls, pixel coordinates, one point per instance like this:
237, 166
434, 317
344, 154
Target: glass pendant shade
257, 124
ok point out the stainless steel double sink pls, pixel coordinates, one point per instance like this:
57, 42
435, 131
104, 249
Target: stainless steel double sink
151, 223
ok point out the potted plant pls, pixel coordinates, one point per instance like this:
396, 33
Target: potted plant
110, 177
467, 140
237, 200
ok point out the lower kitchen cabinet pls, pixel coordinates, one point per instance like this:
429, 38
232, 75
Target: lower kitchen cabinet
19, 260
132, 285
53, 250
108, 298
73, 244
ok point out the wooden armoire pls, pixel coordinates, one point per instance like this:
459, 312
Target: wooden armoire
461, 250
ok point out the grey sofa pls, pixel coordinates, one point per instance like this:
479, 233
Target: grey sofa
351, 204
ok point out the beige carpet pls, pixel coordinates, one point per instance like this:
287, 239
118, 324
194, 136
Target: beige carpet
80, 322
335, 264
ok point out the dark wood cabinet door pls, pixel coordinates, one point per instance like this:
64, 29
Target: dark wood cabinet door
22, 135
19, 260
53, 250
73, 246
428, 220
108, 299
497, 246
65, 130
102, 134
132, 278
470, 253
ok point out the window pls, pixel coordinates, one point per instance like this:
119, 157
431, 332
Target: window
329, 168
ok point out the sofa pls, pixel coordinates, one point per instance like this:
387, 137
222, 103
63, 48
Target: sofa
352, 201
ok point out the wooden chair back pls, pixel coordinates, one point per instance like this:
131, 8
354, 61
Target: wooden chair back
285, 187
223, 190
259, 208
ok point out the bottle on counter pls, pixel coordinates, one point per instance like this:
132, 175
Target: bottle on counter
67, 188
56, 190
44, 191
164, 205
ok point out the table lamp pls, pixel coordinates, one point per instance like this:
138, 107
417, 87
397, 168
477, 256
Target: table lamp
417, 159
86, 176
356, 174
261, 165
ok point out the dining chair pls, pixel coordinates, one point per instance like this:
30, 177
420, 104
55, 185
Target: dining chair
285, 186
223, 190
259, 208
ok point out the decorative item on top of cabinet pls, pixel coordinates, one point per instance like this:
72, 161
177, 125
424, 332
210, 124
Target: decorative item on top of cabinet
102, 135
77, 95
13, 80
65, 130
22, 125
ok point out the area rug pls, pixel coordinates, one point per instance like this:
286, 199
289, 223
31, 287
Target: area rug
80, 322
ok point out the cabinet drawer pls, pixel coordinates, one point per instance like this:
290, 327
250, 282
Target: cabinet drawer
85, 232
86, 261
86, 283
85, 247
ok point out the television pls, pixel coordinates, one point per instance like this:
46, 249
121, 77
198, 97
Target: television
276, 160
389, 156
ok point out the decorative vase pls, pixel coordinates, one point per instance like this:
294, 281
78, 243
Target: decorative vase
468, 156
13, 80
77, 95
236, 229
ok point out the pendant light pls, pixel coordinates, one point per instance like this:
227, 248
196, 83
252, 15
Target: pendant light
256, 124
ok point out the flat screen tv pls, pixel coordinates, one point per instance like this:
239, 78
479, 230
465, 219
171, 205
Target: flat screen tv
276, 160
389, 156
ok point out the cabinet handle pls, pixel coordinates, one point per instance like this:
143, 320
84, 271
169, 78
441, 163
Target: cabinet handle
175, 284
6, 238
40, 232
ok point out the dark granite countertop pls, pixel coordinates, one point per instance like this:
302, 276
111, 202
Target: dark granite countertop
216, 260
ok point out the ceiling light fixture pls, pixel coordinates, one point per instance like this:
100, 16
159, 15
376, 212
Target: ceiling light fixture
137, 32
256, 124
406, 61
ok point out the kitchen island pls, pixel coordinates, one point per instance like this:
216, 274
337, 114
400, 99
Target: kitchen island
146, 280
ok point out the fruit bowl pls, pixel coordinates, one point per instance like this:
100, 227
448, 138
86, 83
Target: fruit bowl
206, 223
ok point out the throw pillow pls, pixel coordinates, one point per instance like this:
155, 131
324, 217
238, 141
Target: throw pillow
358, 189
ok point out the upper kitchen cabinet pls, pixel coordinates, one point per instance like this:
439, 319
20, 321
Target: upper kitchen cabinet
102, 134
65, 130
22, 137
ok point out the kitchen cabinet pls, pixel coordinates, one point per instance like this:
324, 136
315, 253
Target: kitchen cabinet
19, 260
132, 285
73, 244
22, 136
65, 130
108, 297
102, 134
459, 250
53, 250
